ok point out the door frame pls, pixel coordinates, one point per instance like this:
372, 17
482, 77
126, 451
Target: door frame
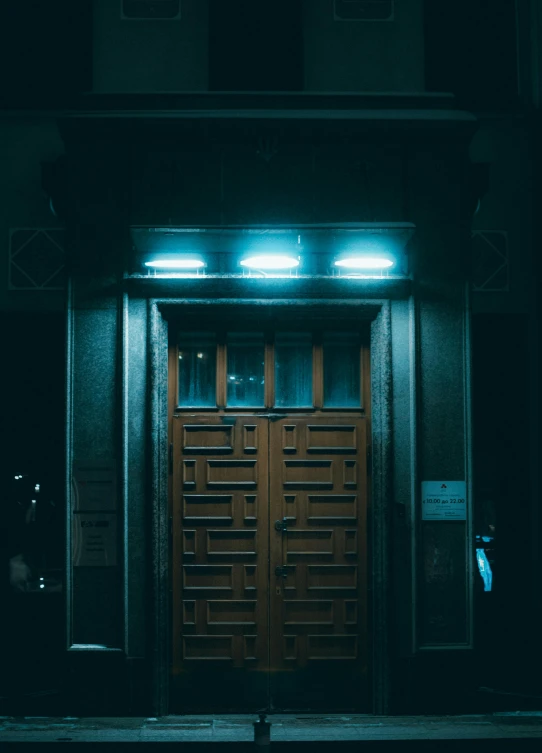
378, 313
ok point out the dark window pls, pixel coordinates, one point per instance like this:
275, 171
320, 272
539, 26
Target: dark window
364, 10
46, 52
503, 458
197, 370
342, 370
293, 370
245, 385
470, 50
163, 10
255, 46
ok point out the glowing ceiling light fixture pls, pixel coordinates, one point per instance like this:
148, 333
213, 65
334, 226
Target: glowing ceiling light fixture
364, 262
181, 262
270, 261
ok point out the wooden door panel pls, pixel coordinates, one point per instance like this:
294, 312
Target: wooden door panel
205, 439
335, 439
318, 601
229, 482
220, 563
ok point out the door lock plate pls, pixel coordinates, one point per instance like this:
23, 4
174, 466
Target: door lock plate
281, 525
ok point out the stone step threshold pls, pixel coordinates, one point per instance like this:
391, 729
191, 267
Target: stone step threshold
508, 731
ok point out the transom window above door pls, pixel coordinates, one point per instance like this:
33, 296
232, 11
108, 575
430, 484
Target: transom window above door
285, 369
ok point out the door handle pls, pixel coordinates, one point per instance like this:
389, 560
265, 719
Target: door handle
281, 571
281, 525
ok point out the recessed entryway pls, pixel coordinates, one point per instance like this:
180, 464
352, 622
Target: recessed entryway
269, 499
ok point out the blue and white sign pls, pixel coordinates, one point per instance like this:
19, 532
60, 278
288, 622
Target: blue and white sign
444, 500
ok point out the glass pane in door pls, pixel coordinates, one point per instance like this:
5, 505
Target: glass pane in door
245, 352
342, 370
293, 370
197, 370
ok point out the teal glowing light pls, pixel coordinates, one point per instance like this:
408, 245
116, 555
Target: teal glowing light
366, 253
179, 262
361, 261
270, 261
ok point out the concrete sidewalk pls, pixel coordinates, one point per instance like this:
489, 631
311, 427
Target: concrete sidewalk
285, 728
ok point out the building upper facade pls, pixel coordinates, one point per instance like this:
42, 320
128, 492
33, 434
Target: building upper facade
486, 54
338, 57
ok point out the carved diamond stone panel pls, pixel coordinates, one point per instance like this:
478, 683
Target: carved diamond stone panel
37, 259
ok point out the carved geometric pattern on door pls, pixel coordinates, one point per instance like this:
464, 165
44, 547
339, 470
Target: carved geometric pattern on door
230, 607
321, 612
219, 543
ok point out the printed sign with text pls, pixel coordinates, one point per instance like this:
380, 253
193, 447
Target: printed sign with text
94, 539
444, 500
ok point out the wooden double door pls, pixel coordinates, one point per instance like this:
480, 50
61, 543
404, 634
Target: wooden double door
269, 562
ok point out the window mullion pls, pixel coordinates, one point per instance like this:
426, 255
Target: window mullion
221, 366
269, 372
318, 371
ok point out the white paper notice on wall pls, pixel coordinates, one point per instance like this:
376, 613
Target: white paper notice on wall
444, 500
95, 486
94, 539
